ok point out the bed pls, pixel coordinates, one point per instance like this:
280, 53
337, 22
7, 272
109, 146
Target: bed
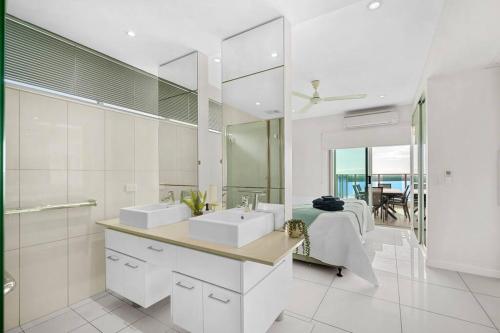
337, 237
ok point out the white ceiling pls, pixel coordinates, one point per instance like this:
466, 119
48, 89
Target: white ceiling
340, 42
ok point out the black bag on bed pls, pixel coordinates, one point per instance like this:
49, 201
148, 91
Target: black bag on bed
328, 203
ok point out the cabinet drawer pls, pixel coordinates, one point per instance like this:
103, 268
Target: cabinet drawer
211, 268
114, 271
142, 248
187, 303
140, 282
221, 310
134, 280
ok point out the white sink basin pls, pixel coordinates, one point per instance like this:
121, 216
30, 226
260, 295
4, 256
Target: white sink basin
232, 227
154, 215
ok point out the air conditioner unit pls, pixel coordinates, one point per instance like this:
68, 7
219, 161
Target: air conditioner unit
369, 118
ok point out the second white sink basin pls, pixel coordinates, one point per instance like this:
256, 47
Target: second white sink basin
154, 215
232, 227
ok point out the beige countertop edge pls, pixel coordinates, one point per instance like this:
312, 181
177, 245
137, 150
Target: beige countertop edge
177, 234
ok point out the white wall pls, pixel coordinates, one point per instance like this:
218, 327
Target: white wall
314, 137
464, 137
60, 151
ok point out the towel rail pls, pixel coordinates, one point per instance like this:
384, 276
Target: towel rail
90, 202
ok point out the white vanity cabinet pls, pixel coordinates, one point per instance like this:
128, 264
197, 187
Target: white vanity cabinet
234, 296
137, 268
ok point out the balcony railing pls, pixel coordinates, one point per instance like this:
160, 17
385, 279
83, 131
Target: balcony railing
344, 182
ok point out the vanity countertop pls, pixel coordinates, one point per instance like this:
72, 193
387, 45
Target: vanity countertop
268, 250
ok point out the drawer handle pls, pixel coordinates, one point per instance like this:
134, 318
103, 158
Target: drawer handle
179, 283
112, 258
152, 248
225, 301
131, 266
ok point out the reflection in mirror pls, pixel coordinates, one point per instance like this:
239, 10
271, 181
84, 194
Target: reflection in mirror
253, 116
178, 137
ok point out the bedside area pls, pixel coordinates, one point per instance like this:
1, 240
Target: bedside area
213, 287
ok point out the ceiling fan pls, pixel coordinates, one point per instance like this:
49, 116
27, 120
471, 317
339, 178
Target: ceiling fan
315, 99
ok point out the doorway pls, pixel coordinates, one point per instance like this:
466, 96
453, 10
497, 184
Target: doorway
378, 175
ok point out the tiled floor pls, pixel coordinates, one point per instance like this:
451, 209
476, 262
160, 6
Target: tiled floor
411, 298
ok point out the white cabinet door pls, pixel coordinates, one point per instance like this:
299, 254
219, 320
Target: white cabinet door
187, 303
221, 310
114, 271
134, 280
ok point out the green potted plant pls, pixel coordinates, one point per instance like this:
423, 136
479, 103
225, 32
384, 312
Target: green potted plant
196, 202
297, 228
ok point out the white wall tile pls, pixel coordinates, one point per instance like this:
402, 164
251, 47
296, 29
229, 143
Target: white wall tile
84, 185
187, 147
11, 200
116, 195
85, 137
146, 144
167, 146
42, 187
147, 187
119, 141
11, 180
86, 267
11, 231
12, 128
43, 132
43, 280
43, 227
11, 301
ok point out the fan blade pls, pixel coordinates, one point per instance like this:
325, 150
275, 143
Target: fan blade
301, 95
305, 108
341, 98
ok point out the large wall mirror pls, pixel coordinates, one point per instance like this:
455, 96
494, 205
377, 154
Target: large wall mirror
253, 116
178, 132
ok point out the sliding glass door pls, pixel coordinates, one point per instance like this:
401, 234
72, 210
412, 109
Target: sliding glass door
351, 173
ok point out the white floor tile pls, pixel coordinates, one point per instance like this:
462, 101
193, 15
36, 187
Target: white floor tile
492, 306
88, 328
40, 320
99, 307
442, 300
358, 313
109, 323
290, 325
482, 285
15, 330
375, 248
66, 322
384, 264
118, 319
160, 311
147, 325
418, 271
313, 272
418, 321
323, 328
386, 290
306, 297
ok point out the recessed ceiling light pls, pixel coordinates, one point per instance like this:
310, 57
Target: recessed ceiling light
382, 96
131, 33
257, 103
217, 60
274, 54
374, 5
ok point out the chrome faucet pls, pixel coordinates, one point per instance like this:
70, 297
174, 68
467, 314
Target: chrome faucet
245, 203
170, 198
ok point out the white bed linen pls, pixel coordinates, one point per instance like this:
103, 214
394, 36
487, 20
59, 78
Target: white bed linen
336, 238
